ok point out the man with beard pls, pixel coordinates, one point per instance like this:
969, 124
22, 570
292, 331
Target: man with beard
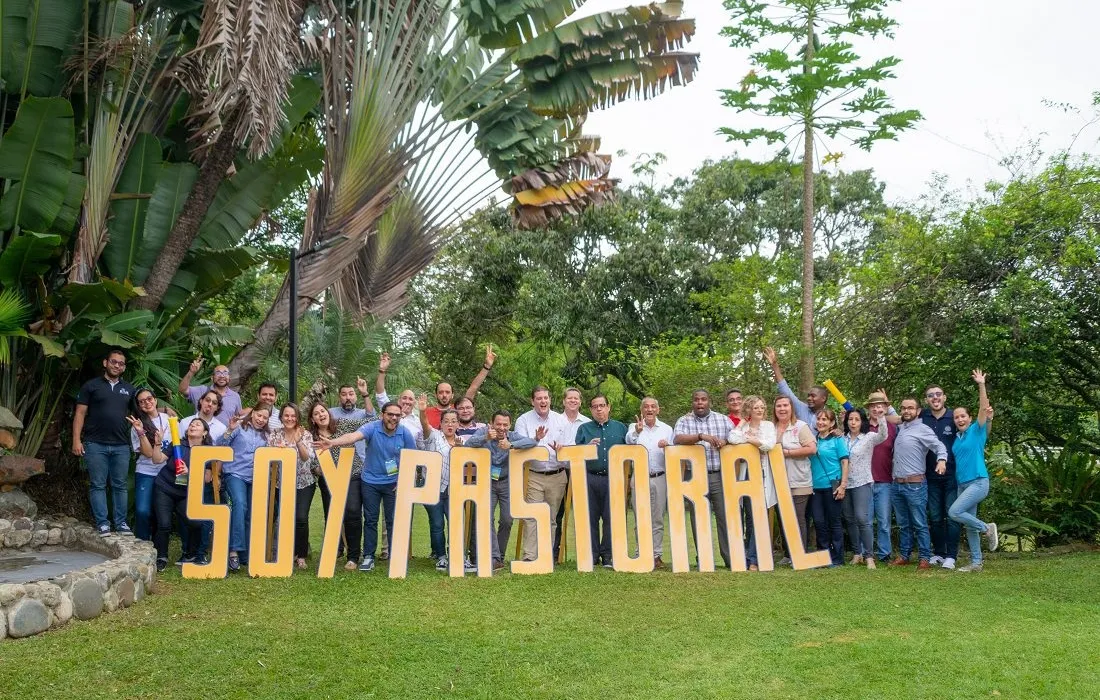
231, 400
444, 392
806, 411
943, 489
347, 409
910, 493
467, 418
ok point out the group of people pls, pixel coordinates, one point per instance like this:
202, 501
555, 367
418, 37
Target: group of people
925, 467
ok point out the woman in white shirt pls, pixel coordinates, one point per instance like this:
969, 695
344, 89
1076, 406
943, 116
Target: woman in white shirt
858, 495
155, 427
755, 430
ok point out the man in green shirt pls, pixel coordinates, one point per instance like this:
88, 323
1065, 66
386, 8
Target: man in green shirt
604, 433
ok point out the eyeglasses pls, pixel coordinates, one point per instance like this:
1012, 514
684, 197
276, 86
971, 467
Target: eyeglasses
147, 399
221, 373
933, 395
391, 415
117, 363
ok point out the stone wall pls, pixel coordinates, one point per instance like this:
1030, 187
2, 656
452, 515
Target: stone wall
31, 608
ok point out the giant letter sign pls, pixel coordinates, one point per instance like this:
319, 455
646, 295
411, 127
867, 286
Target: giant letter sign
536, 515
218, 514
576, 455
751, 488
338, 479
408, 493
800, 558
283, 565
478, 493
617, 457
694, 490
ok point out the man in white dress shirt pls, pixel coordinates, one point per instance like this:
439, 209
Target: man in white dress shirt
571, 420
547, 480
654, 435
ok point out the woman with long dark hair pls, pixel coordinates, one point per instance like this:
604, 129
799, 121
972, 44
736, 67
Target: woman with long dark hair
293, 435
830, 481
858, 496
323, 425
973, 477
149, 422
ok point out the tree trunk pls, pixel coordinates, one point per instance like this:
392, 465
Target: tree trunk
186, 229
245, 363
806, 363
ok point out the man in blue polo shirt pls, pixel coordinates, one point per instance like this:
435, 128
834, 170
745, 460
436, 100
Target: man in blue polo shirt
101, 436
943, 489
385, 439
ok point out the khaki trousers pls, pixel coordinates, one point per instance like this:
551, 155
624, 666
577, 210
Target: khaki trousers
658, 502
542, 488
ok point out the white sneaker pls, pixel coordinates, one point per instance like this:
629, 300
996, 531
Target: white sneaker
949, 563
442, 564
936, 560
468, 566
991, 537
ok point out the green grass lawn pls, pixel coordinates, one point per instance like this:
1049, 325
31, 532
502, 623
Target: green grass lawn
1028, 627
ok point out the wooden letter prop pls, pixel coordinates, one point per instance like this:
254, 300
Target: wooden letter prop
218, 514
800, 558
283, 564
537, 515
694, 490
337, 477
617, 458
478, 493
408, 494
752, 488
578, 482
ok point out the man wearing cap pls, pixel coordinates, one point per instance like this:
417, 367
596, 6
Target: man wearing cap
882, 468
910, 490
942, 489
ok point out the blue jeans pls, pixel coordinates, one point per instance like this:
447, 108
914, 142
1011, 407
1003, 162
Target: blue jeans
143, 506
857, 510
108, 462
239, 492
882, 498
944, 531
375, 497
911, 512
435, 526
965, 512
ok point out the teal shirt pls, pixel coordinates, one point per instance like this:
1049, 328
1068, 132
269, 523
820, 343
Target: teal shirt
825, 465
969, 450
610, 433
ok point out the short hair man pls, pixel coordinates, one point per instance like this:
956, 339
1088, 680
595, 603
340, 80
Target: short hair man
572, 418
943, 489
101, 435
406, 400
547, 481
269, 394
654, 435
807, 410
347, 409
710, 429
467, 418
219, 382
385, 439
603, 432
914, 441
734, 402
500, 439
444, 392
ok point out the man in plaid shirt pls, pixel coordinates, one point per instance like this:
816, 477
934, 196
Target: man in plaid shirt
710, 429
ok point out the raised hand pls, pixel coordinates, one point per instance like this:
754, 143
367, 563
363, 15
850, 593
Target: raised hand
882, 390
384, 362
196, 364
422, 403
979, 376
361, 385
490, 357
135, 424
769, 355
540, 433
638, 424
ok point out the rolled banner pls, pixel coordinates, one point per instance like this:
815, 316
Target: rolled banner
837, 395
177, 451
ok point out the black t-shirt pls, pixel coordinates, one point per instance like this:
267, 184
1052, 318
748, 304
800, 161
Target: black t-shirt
944, 427
108, 407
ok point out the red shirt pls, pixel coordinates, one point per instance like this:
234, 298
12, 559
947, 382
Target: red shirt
882, 459
434, 413
736, 419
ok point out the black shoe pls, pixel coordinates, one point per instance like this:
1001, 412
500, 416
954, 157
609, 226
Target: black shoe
162, 564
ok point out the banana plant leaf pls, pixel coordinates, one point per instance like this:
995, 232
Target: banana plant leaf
27, 255
35, 36
126, 226
37, 154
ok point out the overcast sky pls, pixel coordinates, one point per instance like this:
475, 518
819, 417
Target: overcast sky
979, 71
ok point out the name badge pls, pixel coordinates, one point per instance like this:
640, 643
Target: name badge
494, 472
391, 467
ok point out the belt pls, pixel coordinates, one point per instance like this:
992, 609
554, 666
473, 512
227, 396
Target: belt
552, 472
599, 473
654, 476
910, 479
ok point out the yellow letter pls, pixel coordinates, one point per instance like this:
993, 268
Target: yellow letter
338, 479
617, 457
408, 493
218, 514
578, 484
538, 513
800, 558
283, 565
751, 488
459, 492
694, 490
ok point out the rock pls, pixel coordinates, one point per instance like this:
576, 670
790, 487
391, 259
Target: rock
5, 526
11, 592
133, 573
126, 592
87, 599
139, 590
27, 617
103, 580
38, 538
110, 601
117, 572
3, 624
64, 609
53, 536
49, 593
7, 439
16, 504
68, 536
18, 538
22, 523
15, 469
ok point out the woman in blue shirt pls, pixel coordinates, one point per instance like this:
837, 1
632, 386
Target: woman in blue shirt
829, 469
973, 478
247, 433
